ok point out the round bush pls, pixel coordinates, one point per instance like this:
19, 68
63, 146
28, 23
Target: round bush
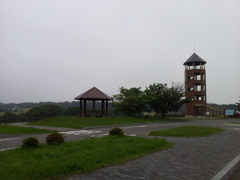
30, 142
116, 131
55, 138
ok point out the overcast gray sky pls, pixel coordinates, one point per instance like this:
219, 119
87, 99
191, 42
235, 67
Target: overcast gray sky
54, 50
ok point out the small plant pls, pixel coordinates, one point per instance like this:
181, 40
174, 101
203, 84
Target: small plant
30, 142
116, 131
55, 138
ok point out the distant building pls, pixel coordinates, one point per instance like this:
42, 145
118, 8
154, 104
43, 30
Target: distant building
195, 86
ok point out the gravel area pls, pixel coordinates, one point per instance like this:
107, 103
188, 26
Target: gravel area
189, 159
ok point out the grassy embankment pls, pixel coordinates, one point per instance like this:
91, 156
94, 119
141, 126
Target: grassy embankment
51, 162
80, 122
8, 129
188, 131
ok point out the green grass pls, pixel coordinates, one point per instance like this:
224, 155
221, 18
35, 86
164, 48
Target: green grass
8, 129
79, 122
188, 131
52, 162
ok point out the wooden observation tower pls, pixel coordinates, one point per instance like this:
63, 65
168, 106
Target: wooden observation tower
195, 86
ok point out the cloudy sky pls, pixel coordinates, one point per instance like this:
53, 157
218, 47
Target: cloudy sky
54, 50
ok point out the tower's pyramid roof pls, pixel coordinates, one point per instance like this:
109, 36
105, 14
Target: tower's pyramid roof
196, 59
93, 93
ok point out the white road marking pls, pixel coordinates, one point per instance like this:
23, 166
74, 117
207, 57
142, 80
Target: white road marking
132, 135
7, 149
78, 132
134, 126
9, 139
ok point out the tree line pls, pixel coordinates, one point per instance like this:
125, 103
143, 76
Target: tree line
46, 110
9, 106
156, 97
16, 107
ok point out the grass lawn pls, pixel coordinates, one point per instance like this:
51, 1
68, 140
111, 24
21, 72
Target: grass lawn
80, 122
51, 162
188, 131
8, 129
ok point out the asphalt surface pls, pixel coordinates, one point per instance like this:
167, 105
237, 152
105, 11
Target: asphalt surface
236, 175
198, 158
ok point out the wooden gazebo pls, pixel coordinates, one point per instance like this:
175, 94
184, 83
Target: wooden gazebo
93, 95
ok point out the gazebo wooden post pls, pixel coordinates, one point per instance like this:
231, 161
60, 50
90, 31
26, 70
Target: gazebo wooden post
106, 108
94, 107
81, 113
84, 108
103, 114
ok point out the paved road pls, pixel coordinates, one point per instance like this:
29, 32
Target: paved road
12, 141
236, 175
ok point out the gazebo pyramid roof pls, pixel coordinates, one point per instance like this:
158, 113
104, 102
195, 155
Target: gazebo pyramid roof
93, 94
196, 59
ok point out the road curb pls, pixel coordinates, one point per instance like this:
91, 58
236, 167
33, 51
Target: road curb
228, 170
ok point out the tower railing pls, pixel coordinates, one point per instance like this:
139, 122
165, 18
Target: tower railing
195, 67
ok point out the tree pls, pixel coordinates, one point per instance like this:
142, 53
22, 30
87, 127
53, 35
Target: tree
163, 99
2, 110
71, 111
129, 101
47, 110
9, 115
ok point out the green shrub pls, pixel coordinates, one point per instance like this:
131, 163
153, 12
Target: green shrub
55, 138
30, 142
116, 131
8, 115
47, 110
